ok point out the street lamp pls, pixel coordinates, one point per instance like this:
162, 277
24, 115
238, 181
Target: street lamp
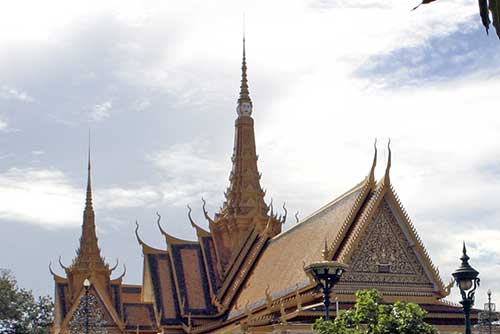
326, 274
86, 285
467, 282
489, 311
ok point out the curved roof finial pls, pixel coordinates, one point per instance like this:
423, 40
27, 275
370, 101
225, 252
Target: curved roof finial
205, 212
50, 269
389, 158
159, 224
193, 224
283, 219
124, 272
62, 265
142, 243
56, 276
115, 266
297, 220
371, 176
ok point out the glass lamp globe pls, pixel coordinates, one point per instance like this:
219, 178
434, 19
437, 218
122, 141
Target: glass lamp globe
465, 284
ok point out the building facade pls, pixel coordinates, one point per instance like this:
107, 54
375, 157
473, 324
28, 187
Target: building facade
244, 274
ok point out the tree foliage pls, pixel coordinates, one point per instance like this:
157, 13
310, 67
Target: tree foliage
20, 311
371, 316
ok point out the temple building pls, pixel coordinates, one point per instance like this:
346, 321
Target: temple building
244, 274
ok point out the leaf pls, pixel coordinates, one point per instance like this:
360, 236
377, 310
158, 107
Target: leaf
484, 13
424, 2
495, 13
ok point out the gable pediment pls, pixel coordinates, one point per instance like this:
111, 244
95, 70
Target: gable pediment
383, 250
384, 253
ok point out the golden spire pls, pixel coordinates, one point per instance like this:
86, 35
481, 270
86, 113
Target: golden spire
244, 193
88, 199
244, 93
244, 107
88, 254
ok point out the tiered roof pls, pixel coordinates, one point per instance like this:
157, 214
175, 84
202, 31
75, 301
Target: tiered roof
243, 272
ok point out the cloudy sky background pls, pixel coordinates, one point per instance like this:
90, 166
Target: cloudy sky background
157, 86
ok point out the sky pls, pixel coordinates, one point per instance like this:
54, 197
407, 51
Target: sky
156, 83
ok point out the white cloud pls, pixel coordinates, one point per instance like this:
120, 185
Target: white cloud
118, 197
48, 198
101, 111
189, 173
39, 196
9, 93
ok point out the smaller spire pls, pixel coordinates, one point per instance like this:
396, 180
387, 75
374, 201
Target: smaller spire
88, 200
89, 254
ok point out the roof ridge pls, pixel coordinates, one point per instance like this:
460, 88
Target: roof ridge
323, 208
354, 235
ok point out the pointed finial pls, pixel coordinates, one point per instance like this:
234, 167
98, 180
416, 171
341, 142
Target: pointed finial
389, 158
325, 250
139, 240
371, 177
244, 107
464, 257
88, 201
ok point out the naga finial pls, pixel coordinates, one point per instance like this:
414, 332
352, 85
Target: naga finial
371, 176
50, 269
297, 217
115, 266
142, 243
159, 224
189, 216
283, 219
62, 265
205, 212
389, 162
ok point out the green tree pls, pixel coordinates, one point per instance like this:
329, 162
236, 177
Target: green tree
371, 316
20, 312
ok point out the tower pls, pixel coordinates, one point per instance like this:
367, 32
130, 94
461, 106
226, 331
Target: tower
87, 265
244, 209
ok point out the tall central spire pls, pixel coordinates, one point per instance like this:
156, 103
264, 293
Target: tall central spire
244, 107
244, 210
245, 194
244, 93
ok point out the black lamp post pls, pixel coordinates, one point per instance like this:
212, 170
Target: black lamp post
489, 311
467, 281
326, 274
86, 285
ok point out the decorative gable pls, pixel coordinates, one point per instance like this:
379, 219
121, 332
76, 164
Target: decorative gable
99, 319
385, 255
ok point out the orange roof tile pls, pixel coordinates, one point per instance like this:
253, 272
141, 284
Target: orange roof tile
280, 267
